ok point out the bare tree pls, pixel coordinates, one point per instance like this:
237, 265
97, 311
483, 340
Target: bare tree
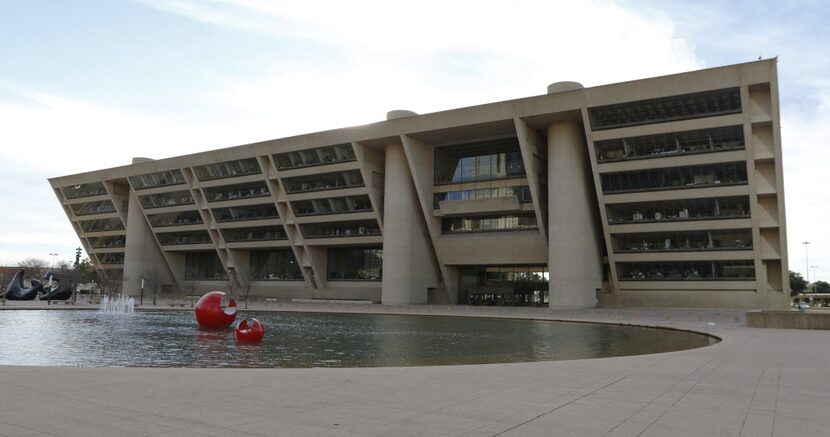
153, 278
34, 267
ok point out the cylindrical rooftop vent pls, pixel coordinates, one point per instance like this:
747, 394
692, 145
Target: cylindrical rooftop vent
399, 113
559, 87
139, 159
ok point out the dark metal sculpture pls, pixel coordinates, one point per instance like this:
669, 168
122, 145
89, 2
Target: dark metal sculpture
59, 291
17, 291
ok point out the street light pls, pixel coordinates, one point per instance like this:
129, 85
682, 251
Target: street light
814, 277
54, 257
806, 261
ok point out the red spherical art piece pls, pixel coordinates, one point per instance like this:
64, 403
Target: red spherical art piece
211, 314
250, 332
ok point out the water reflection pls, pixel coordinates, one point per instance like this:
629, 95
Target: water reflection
172, 339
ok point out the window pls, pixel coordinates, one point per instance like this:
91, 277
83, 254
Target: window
511, 222
204, 266
677, 210
686, 270
227, 169
189, 237
671, 144
111, 258
160, 179
175, 219
731, 173
162, 200
111, 224
239, 191
503, 285
260, 233
355, 264
324, 181
729, 239
90, 208
275, 265
238, 213
312, 157
332, 205
356, 228
522, 192
84, 190
681, 107
479, 161
107, 242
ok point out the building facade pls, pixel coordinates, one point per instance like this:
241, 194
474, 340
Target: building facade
663, 192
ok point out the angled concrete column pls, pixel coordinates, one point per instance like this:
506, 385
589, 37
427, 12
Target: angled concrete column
408, 265
574, 257
142, 257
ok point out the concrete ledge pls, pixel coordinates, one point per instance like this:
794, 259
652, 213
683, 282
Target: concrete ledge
345, 301
787, 320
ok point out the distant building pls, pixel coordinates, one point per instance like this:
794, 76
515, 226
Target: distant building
663, 192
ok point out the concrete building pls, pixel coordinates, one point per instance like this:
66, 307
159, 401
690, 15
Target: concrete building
662, 192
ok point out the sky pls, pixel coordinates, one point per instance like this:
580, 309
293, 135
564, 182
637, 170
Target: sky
89, 84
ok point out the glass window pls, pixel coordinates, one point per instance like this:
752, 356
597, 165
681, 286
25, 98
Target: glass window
681, 107
84, 190
324, 181
686, 270
111, 224
521, 285
259, 233
227, 169
356, 228
312, 157
161, 200
111, 258
189, 237
355, 264
479, 161
675, 143
511, 222
522, 192
239, 191
729, 239
107, 242
730, 173
160, 179
204, 266
90, 208
332, 205
275, 265
252, 212
683, 209
175, 219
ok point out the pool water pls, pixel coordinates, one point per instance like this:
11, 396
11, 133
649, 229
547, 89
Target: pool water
173, 339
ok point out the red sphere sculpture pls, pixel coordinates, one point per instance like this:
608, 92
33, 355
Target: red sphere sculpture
210, 313
250, 332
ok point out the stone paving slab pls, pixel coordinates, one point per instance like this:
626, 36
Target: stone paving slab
755, 382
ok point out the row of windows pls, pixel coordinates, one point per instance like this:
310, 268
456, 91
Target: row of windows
317, 156
107, 242
332, 205
510, 222
324, 181
188, 237
479, 161
175, 219
253, 212
680, 107
110, 224
275, 265
160, 179
686, 270
259, 233
84, 190
161, 200
238, 191
675, 177
675, 210
111, 258
671, 144
723, 239
356, 228
90, 208
503, 285
227, 169
522, 192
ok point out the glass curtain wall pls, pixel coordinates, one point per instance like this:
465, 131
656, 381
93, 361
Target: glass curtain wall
317, 156
239, 213
90, 208
677, 210
731, 173
675, 143
175, 219
686, 270
110, 224
111, 258
275, 265
504, 285
108, 242
356, 228
511, 222
84, 190
204, 266
189, 237
522, 192
355, 264
724, 239
324, 181
161, 200
239, 191
160, 179
259, 233
332, 205
479, 161
227, 169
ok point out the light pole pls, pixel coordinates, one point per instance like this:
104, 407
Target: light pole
814, 277
806, 261
54, 257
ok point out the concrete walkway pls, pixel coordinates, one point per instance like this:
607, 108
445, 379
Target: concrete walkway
757, 382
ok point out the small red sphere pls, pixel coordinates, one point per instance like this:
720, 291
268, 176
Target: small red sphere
211, 315
250, 332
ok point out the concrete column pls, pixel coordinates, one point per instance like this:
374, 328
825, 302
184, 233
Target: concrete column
142, 257
574, 257
408, 265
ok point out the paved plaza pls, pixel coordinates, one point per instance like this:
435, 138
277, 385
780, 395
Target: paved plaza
756, 382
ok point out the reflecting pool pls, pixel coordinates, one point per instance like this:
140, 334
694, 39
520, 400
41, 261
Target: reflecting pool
172, 339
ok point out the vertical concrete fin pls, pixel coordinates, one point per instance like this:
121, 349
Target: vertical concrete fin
143, 257
534, 163
372, 165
